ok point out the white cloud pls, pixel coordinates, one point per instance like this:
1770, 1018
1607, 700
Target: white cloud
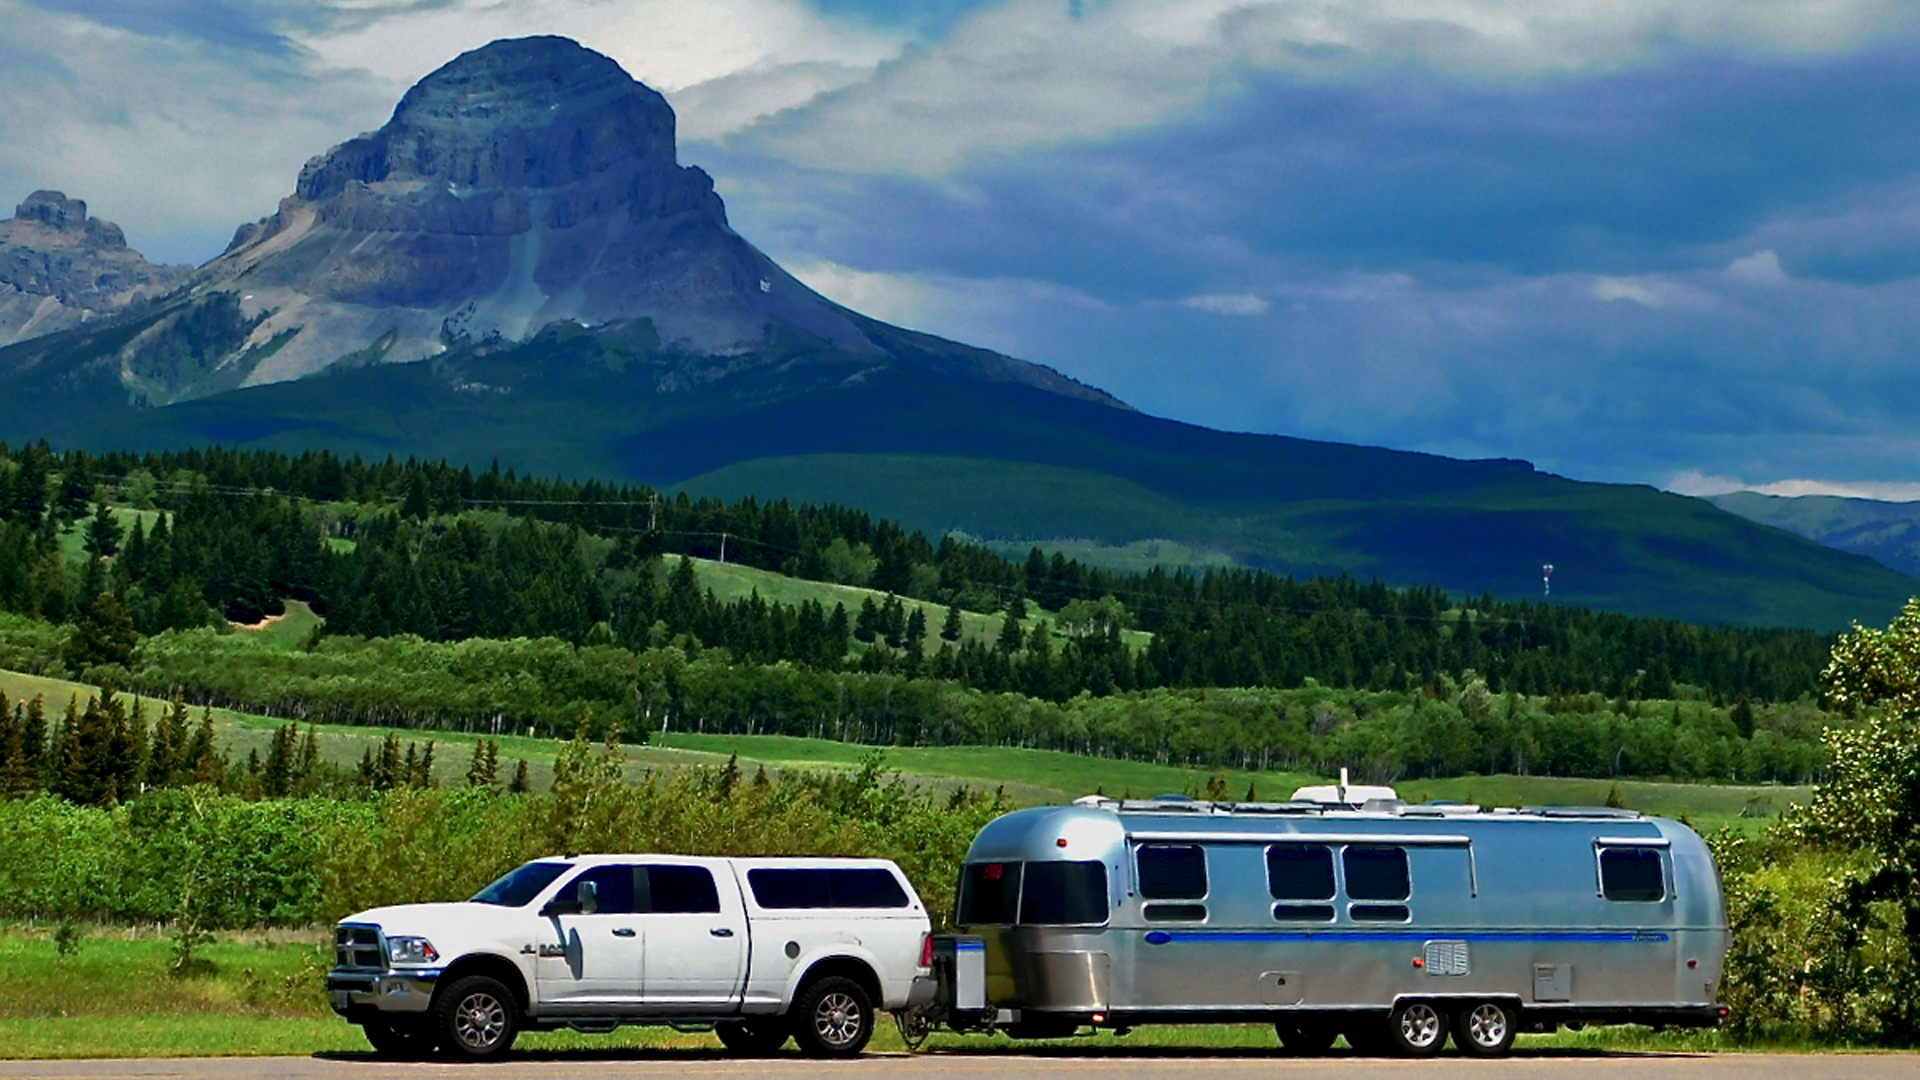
1229, 304
1692, 482
1647, 294
888, 297
1760, 268
1028, 73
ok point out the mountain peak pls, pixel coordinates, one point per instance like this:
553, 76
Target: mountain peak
537, 113
59, 268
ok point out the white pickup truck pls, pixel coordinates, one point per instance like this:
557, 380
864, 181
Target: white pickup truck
759, 950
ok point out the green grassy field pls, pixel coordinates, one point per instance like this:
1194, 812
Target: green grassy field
288, 631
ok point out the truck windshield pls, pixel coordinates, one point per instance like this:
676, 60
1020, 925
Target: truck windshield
521, 885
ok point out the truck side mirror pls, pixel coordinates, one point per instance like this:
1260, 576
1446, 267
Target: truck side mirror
584, 901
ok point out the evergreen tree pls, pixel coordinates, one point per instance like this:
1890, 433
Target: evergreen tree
16, 776
103, 634
276, 775
522, 783
202, 757
950, 628
1011, 636
103, 533
167, 751
33, 741
485, 765
916, 635
421, 776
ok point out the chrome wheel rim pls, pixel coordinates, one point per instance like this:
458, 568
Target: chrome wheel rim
1487, 1025
479, 1021
837, 1019
1420, 1026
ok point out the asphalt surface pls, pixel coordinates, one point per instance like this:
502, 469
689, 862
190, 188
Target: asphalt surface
1139, 1065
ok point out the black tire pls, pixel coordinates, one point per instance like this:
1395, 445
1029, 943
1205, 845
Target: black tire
476, 1019
832, 1018
1367, 1035
753, 1038
1305, 1038
1417, 1029
1486, 1028
401, 1041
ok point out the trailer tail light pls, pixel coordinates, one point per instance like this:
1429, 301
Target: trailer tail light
926, 950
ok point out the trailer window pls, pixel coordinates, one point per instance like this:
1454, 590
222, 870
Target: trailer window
1172, 871
1064, 894
1175, 912
989, 892
1300, 872
1632, 874
1376, 872
1303, 912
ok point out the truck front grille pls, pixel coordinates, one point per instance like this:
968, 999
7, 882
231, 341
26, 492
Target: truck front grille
358, 947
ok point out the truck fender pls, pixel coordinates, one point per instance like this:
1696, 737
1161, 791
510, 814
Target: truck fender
493, 965
843, 958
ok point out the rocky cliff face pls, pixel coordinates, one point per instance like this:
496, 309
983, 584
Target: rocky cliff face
59, 268
527, 182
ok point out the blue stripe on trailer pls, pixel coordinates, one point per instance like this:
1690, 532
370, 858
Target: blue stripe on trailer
1166, 937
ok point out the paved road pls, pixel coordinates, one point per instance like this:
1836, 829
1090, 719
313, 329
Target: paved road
1134, 1065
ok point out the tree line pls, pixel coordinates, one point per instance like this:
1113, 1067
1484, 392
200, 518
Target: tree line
446, 554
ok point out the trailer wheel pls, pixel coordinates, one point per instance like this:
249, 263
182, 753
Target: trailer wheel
833, 1018
1417, 1029
477, 1018
1485, 1029
1305, 1038
753, 1038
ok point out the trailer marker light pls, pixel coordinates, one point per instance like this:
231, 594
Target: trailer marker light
1062, 842
1419, 961
1098, 1018
1693, 963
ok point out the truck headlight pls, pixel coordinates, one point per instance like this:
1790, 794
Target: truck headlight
411, 950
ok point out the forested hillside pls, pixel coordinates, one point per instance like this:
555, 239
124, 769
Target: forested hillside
487, 601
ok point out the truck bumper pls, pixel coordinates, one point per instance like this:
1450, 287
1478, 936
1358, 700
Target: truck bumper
924, 989
354, 994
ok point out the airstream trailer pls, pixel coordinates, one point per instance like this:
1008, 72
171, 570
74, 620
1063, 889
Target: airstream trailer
1393, 925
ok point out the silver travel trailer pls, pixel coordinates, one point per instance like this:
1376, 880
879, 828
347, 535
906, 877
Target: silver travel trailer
1392, 925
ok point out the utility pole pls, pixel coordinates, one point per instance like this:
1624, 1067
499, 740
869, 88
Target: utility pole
653, 511
723, 547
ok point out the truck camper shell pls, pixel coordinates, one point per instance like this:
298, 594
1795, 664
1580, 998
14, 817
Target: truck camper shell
1391, 924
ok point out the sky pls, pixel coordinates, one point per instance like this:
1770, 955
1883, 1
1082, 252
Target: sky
1673, 242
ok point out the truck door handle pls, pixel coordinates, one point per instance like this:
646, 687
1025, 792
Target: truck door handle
625, 931
721, 931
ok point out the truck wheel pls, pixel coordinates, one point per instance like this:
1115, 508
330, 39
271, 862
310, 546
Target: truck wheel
832, 1018
476, 1018
752, 1038
400, 1042
1485, 1029
1305, 1038
1417, 1029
